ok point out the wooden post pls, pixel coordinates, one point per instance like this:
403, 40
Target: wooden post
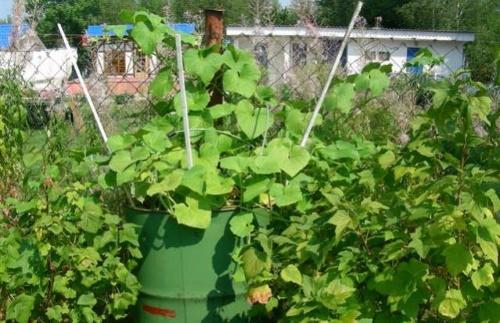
214, 27
214, 32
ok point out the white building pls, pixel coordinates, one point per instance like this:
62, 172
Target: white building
286, 50
45, 69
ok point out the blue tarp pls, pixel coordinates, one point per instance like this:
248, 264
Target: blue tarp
101, 30
5, 32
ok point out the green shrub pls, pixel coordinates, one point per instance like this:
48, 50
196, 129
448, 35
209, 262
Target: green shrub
64, 256
12, 125
391, 233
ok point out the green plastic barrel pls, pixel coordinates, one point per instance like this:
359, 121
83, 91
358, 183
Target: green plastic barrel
185, 272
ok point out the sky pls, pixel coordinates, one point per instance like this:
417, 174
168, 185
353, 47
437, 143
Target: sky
5, 8
283, 2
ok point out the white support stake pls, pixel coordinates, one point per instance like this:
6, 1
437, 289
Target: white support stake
84, 86
336, 64
185, 111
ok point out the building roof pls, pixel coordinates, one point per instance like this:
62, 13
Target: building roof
6, 31
339, 32
107, 30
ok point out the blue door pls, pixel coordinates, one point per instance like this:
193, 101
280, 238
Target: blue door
411, 53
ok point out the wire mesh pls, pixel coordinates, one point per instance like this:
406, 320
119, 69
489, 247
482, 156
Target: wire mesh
295, 62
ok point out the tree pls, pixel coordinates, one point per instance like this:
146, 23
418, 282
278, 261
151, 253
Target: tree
339, 12
263, 11
481, 17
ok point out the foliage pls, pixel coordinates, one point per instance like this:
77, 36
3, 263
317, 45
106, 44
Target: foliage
232, 167
479, 17
12, 123
347, 232
63, 255
390, 233
339, 12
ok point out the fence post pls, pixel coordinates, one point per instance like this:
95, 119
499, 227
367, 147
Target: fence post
214, 27
214, 32
183, 99
343, 46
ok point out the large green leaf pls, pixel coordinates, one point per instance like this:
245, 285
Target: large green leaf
162, 84
221, 110
254, 262
20, 308
87, 300
203, 63
241, 224
457, 258
335, 294
291, 274
480, 106
194, 179
92, 217
243, 74
168, 183
341, 220
196, 101
116, 143
146, 36
378, 82
126, 176
298, 158
157, 140
56, 312
265, 165
234, 83
253, 121
285, 195
238, 164
340, 150
217, 184
386, 159
139, 154
193, 214
60, 286
341, 97
255, 187
120, 161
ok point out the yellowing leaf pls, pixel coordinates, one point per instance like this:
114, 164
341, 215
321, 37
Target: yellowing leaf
452, 304
387, 159
483, 277
291, 274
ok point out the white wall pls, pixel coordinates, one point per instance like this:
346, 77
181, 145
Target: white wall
280, 53
451, 51
46, 70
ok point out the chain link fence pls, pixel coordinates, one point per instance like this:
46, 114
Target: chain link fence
295, 62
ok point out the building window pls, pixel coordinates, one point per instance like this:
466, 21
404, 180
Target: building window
261, 55
378, 56
330, 49
411, 53
299, 54
141, 62
114, 62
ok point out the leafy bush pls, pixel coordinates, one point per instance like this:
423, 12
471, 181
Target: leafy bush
394, 233
63, 255
12, 123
